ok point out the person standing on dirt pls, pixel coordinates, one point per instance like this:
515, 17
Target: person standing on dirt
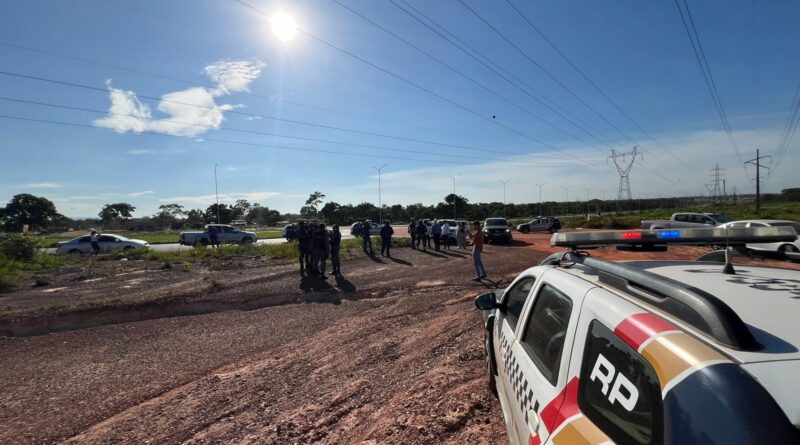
446, 235
386, 238
477, 249
421, 234
436, 230
213, 236
412, 232
461, 235
336, 244
304, 246
367, 239
94, 237
321, 248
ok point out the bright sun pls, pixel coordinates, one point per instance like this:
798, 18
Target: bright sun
283, 26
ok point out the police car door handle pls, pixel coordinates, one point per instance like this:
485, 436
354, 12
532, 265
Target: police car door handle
533, 421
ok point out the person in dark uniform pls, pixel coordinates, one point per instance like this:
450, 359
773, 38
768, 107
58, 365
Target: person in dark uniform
336, 244
386, 238
304, 245
213, 236
412, 232
94, 237
320, 247
421, 234
365, 233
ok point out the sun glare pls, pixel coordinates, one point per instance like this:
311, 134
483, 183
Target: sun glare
283, 26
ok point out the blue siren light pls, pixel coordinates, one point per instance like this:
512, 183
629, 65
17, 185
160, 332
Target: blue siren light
669, 234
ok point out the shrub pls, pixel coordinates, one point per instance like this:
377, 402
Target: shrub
9, 270
18, 247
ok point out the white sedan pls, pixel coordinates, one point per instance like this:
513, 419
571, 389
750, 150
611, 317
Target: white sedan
83, 244
793, 247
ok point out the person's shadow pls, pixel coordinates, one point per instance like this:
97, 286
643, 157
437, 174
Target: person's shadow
434, 253
344, 284
314, 284
374, 258
399, 261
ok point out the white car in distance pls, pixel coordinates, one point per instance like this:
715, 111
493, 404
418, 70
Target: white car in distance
792, 247
108, 242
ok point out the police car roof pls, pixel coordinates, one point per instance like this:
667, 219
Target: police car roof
765, 298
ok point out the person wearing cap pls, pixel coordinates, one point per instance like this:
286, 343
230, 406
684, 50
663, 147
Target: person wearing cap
386, 238
477, 249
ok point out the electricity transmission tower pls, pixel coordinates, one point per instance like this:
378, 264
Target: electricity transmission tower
624, 163
716, 187
759, 166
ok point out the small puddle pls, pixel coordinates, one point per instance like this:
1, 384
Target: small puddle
55, 289
430, 283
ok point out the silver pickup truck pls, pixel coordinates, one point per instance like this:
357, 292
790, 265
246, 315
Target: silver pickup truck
227, 235
686, 221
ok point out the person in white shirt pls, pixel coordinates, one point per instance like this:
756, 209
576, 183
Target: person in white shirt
446, 235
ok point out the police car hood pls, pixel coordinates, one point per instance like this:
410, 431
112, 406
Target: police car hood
768, 301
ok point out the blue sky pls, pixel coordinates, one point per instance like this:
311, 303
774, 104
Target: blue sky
217, 65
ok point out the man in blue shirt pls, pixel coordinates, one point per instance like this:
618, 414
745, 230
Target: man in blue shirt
436, 230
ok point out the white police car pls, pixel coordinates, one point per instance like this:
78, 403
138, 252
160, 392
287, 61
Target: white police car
587, 351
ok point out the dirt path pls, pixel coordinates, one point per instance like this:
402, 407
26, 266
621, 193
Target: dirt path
392, 354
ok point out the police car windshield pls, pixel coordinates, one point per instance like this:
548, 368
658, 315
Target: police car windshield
788, 224
720, 218
496, 222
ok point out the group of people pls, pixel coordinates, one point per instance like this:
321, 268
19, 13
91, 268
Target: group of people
316, 244
386, 237
440, 232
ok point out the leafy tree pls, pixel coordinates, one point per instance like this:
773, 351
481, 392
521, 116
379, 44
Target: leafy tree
173, 211
116, 212
262, 215
35, 211
226, 214
195, 218
331, 213
241, 208
313, 201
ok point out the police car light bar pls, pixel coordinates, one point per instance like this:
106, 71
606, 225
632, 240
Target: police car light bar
715, 236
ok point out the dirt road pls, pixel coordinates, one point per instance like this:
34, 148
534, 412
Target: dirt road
392, 354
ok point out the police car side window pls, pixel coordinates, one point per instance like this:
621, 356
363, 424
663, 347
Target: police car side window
515, 300
681, 218
544, 335
619, 390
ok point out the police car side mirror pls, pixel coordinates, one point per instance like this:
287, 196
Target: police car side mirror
486, 302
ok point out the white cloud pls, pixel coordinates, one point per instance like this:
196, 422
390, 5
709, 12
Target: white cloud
137, 194
223, 198
190, 112
233, 76
42, 185
141, 151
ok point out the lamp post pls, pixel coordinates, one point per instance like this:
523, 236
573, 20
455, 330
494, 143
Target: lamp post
380, 204
566, 188
540, 196
455, 197
504, 195
216, 191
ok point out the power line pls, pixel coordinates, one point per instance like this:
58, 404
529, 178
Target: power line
246, 93
588, 80
239, 130
699, 54
263, 116
789, 129
420, 87
457, 71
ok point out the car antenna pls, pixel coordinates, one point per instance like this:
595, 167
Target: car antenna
728, 268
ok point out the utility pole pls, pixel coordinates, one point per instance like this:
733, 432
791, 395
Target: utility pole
504, 195
757, 163
380, 204
454, 193
540, 196
624, 168
216, 191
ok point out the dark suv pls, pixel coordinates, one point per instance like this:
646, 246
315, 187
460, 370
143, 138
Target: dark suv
496, 229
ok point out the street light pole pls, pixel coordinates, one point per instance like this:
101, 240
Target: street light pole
454, 194
216, 191
380, 204
540, 196
566, 188
504, 195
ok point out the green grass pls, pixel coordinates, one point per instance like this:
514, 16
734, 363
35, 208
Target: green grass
12, 271
150, 237
270, 234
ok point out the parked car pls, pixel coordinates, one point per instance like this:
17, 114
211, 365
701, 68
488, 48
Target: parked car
495, 229
108, 242
227, 235
374, 229
686, 221
542, 224
289, 232
792, 247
